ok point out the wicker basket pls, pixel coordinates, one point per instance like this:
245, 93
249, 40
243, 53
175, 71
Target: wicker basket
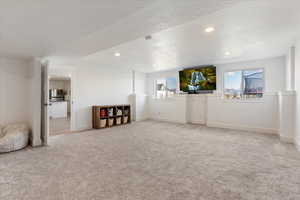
111, 122
125, 119
103, 123
118, 120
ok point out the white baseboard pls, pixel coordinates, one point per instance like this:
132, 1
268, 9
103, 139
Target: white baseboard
167, 120
88, 128
142, 119
287, 140
202, 122
297, 145
36, 142
242, 127
224, 125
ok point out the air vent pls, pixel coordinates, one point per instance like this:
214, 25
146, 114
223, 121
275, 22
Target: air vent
148, 37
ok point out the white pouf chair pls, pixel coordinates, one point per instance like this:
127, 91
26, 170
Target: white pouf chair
13, 137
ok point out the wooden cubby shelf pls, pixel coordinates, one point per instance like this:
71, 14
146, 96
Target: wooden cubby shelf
109, 116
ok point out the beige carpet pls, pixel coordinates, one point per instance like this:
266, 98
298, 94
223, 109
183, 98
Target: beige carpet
154, 161
59, 126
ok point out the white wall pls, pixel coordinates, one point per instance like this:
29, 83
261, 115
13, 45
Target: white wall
140, 97
170, 109
297, 88
274, 68
15, 84
274, 73
96, 85
260, 116
287, 114
196, 109
213, 110
290, 69
140, 82
35, 101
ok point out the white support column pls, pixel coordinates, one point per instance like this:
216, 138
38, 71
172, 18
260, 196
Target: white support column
287, 101
290, 69
297, 88
132, 98
133, 81
138, 98
35, 99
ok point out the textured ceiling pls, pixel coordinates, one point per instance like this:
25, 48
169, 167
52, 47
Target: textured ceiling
158, 16
79, 27
248, 30
31, 28
91, 31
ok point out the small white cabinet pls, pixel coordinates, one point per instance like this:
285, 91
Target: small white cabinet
58, 109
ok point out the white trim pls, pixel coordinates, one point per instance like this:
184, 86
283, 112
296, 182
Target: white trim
83, 129
249, 100
167, 120
243, 127
254, 100
287, 93
287, 140
218, 95
297, 147
72, 104
36, 94
142, 119
225, 126
45, 119
69, 73
133, 81
198, 122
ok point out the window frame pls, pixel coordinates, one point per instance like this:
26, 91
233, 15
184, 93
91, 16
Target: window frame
243, 99
156, 88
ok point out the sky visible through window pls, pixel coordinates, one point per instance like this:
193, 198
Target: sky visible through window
233, 80
244, 82
171, 83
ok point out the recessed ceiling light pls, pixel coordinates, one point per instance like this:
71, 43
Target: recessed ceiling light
117, 54
209, 29
227, 53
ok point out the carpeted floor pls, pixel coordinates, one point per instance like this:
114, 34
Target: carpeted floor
154, 161
60, 126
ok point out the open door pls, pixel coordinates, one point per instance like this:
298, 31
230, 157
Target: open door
45, 103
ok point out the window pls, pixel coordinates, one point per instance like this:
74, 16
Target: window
244, 84
161, 88
171, 86
166, 87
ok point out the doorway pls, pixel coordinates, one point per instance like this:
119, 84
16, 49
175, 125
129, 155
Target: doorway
60, 101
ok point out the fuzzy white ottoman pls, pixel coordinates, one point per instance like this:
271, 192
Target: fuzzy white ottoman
13, 137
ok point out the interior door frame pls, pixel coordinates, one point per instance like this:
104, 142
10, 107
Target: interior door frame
72, 106
62, 72
45, 103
